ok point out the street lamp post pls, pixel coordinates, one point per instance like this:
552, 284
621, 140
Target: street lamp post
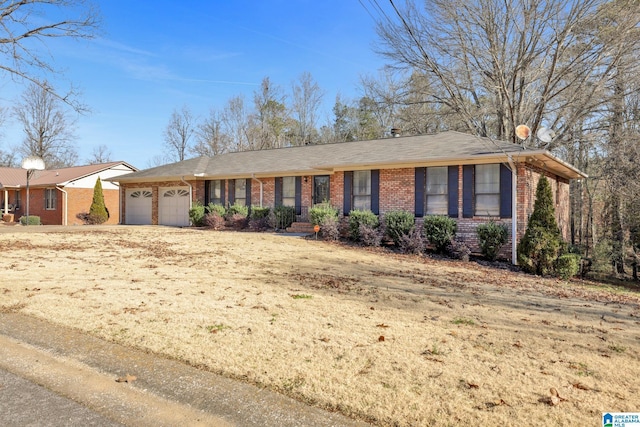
31, 164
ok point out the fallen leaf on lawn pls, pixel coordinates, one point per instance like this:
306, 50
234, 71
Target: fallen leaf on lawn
382, 325
381, 338
581, 386
126, 379
517, 344
324, 339
473, 385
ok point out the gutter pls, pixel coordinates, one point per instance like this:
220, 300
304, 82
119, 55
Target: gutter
253, 176
66, 206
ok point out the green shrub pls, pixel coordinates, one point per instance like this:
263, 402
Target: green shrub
258, 212
568, 265
98, 211
214, 208
284, 216
398, 224
319, 212
235, 210
196, 214
33, 220
358, 218
491, 237
542, 242
439, 230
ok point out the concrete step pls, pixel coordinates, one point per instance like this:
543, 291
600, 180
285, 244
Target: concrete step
301, 227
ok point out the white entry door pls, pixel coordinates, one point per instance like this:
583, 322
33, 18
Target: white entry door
138, 206
173, 206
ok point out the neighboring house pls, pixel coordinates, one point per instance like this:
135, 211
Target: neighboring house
57, 196
463, 176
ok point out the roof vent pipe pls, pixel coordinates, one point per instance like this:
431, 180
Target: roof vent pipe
395, 132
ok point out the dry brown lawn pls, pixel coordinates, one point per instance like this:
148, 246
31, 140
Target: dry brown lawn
391, 339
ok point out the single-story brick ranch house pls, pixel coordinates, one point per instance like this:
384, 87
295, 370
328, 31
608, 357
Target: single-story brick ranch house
466, 177
58, 195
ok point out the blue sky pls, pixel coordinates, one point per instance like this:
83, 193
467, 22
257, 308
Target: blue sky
155, 56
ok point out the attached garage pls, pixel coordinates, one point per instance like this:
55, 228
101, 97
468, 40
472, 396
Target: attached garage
138, 206
173, 206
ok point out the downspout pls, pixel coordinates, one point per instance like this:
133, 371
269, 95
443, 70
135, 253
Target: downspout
514, 211
6, 201
66, 207
261, 187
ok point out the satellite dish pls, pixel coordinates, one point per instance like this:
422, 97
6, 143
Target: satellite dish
545, 135
523, 132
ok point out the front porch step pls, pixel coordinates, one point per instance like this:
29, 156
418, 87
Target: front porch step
301, 227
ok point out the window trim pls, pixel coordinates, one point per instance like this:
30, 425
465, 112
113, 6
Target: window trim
220, 200
427, 194
50, 199
291, 180
235, 191
496, 210
367, 196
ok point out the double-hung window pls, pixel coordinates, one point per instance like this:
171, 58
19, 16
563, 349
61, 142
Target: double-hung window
361, 190
50, 198
241, 192
436, 191
487, 190
289, 191
215, 192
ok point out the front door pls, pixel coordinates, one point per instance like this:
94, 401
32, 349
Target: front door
321, 189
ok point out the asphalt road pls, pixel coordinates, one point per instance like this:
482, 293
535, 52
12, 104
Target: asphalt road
57, 376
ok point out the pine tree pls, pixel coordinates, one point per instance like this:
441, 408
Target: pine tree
98, 211
542, 242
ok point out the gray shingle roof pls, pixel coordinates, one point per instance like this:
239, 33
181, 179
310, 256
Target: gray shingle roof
450, 146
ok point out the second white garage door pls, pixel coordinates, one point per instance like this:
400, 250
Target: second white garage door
138, 206
173, 206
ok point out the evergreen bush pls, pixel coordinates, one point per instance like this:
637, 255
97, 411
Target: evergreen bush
319, 212
259, 212
357, 218
568, 265
491, 237
196, 214
98, 211
236, 209
33, 220
439, 230
214, 208
398, 224
542, 242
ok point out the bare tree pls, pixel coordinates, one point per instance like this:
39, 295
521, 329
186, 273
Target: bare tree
307, 97
23, 31
497, 64
211, 138
178, 134
48, 128
99, 154
235, 119
270, 118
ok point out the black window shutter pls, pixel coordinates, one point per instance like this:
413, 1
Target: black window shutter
232, 191
222, 189
348, 184
452, 187
298, 195
375, 191
278, 191
505, 192
467, 191
248, 194
419, 202
207, 198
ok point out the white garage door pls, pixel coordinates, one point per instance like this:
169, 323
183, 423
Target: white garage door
173, 206
138, 206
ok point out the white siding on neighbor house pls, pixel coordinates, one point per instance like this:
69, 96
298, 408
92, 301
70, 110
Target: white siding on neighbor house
90, 181
173, 206
138, 206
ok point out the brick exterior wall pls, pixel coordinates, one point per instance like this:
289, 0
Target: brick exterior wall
78, 199
397, 192
397, 189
